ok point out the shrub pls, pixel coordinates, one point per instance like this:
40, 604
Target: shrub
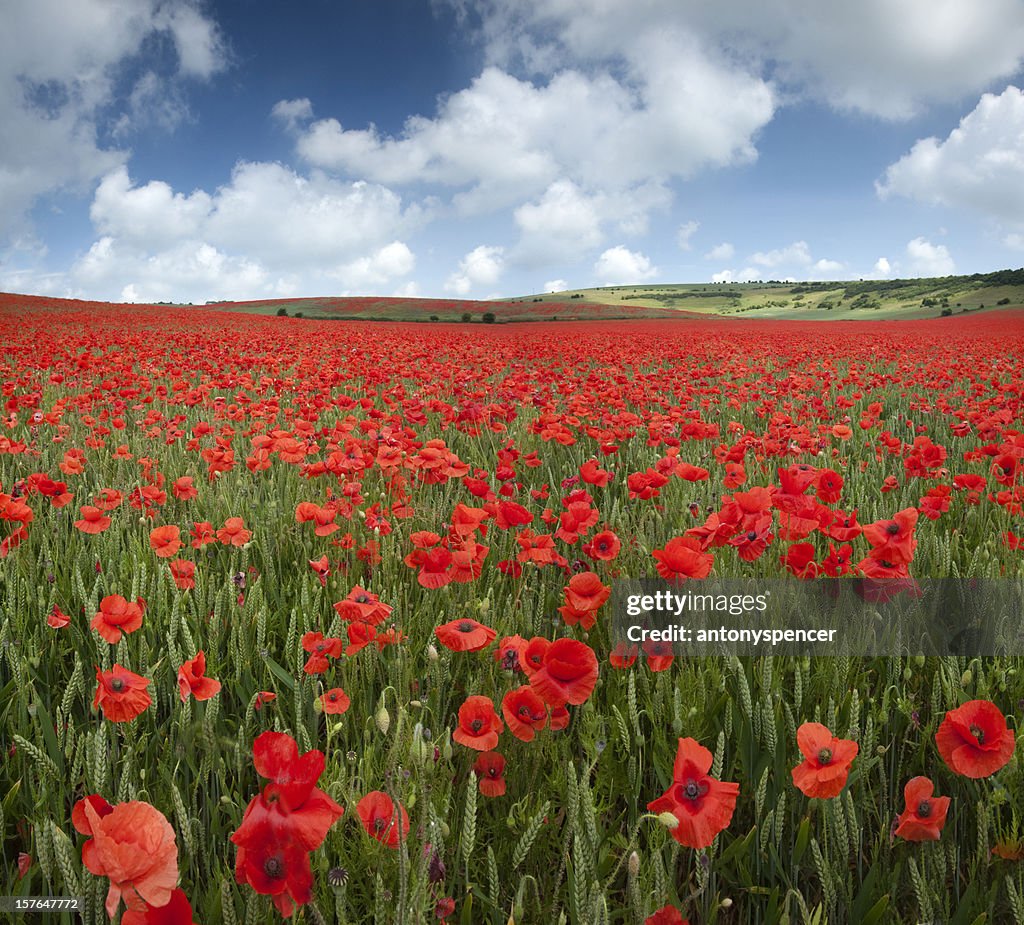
489, 318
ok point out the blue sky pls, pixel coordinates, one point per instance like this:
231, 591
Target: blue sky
181, 150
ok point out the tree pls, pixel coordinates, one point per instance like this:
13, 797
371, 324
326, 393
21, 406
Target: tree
282, 312
467, 316
489, 318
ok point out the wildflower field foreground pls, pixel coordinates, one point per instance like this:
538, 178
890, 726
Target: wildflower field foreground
312, 619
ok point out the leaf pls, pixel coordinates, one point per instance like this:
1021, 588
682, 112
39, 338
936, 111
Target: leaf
803, 836
50, 736
876, 912
282, 675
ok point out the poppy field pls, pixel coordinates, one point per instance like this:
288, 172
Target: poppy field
311, 620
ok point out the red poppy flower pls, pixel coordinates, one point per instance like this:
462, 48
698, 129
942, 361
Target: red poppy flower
183, 488
165, 541
360, 635
202, 533
893, 540
192, 679
320, 648
623, 655
558, 718
827, 761
183, 572
683, 558
465, 635
604, 547
93, 520
363, 605
322, 568
479, 725
233, 533
57, 618
974, 739
524, 712
584, 596
490, 773
925, 815
666, 915
132, 844
176, 912
568, 673
293, 787
271, 857
334, 702
659, 655
116, 616
701, 804
121, 694
531, 656
383, 819
508, 651
263, 697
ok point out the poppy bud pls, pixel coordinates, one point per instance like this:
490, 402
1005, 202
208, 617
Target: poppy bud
966, 678
633, 864
432, 653
416, 704
382, 719
668, 820
726, 903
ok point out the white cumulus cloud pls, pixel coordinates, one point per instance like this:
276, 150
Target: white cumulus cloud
686, 231
927, 259
60, 65
874, 56
795, 253
979, 166
482, 266
268, 231
620, 266
723, 251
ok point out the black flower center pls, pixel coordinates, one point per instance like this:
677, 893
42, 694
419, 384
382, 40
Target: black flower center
465, 627
476, 725
924, 809
362, 599
693, 790
117, 685
379, 824
892, 529
273, 867
978, 733
825, 756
